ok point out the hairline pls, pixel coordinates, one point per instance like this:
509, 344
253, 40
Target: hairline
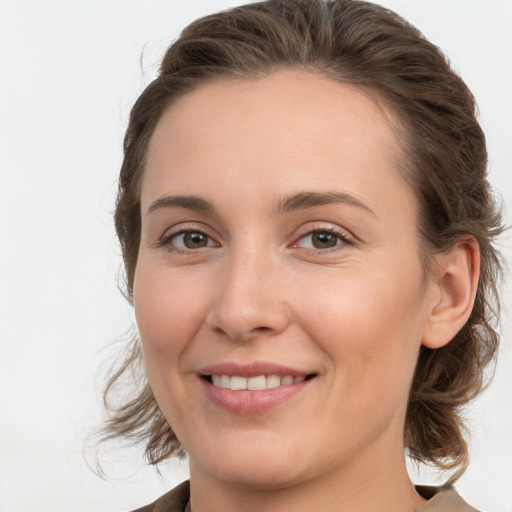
391, 114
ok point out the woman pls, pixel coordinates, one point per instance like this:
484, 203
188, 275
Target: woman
307, 233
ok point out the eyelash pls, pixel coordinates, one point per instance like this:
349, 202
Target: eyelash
342, 240
166, 241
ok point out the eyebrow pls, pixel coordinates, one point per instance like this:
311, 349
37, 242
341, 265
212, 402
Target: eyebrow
299, 201
188, 202
304, 200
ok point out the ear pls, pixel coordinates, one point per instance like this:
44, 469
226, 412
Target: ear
453, 292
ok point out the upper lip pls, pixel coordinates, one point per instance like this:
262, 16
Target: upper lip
252, 370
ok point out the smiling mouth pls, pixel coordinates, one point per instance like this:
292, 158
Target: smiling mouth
256, 383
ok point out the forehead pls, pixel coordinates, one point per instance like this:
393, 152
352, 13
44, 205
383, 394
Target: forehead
290, 126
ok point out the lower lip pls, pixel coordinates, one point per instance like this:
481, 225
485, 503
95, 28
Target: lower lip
252, 402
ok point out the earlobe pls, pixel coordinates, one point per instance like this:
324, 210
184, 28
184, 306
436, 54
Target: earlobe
455, 285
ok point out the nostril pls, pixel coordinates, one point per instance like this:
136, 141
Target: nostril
246, 318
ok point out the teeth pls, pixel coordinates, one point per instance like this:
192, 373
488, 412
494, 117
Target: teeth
273, 381
238, 383
258, 383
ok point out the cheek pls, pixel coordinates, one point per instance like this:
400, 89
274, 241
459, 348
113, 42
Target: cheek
368, 324
168, 312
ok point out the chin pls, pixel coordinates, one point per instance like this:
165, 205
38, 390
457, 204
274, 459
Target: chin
254, 467
260, 477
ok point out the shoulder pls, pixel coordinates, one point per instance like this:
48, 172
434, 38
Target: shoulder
442, 499
173, 501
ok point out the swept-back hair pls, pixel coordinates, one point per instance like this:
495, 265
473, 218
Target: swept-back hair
353, 42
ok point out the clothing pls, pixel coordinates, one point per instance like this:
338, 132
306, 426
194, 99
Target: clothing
440, 499
173, 501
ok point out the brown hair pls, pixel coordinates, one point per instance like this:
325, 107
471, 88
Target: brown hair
354, 42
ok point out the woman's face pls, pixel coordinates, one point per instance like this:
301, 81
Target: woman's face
279, 253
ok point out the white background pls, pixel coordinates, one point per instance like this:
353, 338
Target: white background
70, 70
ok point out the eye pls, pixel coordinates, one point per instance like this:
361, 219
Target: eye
322, 239
190, 240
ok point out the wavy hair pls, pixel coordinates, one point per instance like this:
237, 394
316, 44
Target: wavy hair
352, 42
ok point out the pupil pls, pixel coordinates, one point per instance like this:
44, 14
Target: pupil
194, 240
324, 240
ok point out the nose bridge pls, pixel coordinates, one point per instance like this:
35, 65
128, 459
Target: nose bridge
249, 299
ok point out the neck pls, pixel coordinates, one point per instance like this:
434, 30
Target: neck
379, 484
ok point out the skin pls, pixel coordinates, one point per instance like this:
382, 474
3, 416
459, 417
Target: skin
354, 314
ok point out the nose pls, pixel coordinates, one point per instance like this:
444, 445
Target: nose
250, 299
